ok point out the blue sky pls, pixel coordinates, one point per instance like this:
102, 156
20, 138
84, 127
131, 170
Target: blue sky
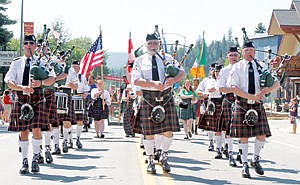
180, 20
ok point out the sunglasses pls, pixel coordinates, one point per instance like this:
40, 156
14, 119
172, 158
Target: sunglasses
31, 43
212, 68
152, 43
233, 55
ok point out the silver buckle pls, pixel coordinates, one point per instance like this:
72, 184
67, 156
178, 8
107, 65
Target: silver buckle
159, 99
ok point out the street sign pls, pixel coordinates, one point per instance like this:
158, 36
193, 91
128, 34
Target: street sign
6, 57
28, 28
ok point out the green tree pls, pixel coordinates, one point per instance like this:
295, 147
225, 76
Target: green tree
260, 28
5, 35
13, 45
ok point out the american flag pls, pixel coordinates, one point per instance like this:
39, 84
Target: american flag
93, 58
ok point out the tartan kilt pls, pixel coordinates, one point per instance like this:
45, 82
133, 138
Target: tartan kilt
202, 117
135, 121
40, 118
211, 121
128, 113
99, 113
187, 113
226, 113
171, 122
239, 129
70, 116
82, 116
51, 107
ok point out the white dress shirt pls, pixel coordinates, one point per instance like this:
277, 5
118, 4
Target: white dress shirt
82, 85
239, 75
224, 76
106, 95
142, 68
16, 69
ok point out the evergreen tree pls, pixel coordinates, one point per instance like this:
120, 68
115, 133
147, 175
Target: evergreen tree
5, 35
260, 28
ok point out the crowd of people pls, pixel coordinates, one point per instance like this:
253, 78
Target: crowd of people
225, 104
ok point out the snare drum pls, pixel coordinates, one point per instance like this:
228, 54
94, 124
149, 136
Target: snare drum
77, 104
61, 102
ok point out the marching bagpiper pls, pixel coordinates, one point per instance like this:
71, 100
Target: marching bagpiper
249, 102
228, 101
28, 111
149, 73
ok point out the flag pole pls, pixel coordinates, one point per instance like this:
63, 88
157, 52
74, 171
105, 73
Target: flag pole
102, 75
201, 53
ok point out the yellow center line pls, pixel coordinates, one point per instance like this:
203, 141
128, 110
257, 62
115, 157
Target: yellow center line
152, 179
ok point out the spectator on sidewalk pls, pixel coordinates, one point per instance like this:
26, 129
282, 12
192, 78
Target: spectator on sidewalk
7, 106
1, 110
293, 113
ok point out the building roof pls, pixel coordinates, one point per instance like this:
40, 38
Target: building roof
285, 21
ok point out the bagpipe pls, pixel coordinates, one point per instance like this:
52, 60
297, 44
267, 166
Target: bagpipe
171, 70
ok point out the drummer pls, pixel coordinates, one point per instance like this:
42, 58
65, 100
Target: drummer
79, 84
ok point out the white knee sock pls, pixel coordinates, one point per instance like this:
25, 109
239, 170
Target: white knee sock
24, 148
66, 133
230, 144
55, 134
149, 145
78, 130
210, 135
244, 155
258, 145
47, 136
218, 141
158, 139
166, 143
36, 145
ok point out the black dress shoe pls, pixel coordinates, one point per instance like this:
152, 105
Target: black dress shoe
70, 144
78, 144
219, 154
232, 161
225, 151
56, 150
85, 129
40, 159
239, 158
25, 167
211, 148
151, 167
48, 156
257, 167
102, 136
164, 162
245, 171
34, 165
157, 154
65, 147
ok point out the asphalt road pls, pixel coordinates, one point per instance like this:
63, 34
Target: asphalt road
118, 160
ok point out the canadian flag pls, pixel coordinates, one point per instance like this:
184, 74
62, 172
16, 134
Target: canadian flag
130, 54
